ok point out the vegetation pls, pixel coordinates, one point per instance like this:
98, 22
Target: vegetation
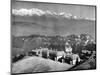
82, 44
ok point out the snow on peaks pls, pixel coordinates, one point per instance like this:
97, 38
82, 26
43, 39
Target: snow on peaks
36, 11
39, 12
29, 12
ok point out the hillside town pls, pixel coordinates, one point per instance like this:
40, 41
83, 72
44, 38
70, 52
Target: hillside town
73, 49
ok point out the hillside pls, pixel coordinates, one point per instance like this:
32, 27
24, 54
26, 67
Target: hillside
38, 64
25, 44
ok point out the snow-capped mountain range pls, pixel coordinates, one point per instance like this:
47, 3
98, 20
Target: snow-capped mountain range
39, 12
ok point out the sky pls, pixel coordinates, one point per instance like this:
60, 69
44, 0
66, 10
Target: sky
76, 10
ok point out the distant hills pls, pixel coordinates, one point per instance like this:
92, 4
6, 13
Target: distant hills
50, 25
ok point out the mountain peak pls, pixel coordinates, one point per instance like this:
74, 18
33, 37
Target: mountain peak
39, 12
